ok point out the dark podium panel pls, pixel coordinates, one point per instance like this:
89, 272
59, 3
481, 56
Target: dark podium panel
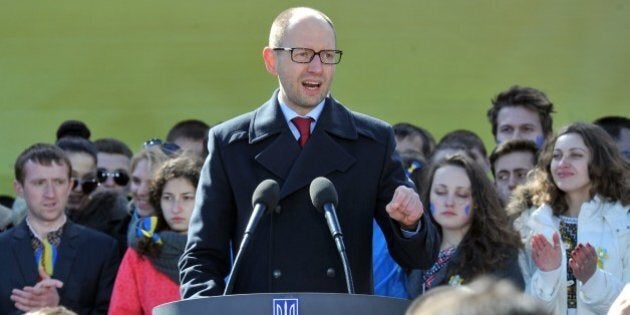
287, 304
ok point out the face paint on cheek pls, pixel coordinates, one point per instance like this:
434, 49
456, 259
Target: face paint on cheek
467, 209
432, 208
539, 141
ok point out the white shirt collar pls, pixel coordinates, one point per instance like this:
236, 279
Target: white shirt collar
290, 114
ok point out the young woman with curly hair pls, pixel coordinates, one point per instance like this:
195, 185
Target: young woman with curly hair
578, 250
476, 238
148, 275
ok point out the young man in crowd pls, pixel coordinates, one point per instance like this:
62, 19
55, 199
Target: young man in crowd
618, 127
510, 162
112, 162
47, 259
521, 113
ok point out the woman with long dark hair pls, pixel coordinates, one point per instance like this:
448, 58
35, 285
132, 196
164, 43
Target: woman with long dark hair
476, 238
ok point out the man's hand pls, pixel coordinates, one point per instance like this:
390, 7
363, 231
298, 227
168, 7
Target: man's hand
43, 294
583, 262
546, 256
405, 207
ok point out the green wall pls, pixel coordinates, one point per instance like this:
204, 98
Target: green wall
130, 69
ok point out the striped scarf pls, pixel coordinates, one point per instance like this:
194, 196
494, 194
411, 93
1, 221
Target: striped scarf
46, 249
429, 276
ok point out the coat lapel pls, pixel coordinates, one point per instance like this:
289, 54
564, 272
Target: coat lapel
67, 252
23, 252
322, 154
278, 156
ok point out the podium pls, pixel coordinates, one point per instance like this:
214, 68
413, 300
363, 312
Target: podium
287, 304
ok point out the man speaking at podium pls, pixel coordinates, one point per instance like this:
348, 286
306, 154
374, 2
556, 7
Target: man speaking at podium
292, 249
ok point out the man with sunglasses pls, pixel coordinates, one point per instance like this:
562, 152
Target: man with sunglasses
103, 211
112, 162
82, 155
48, 260
300, 134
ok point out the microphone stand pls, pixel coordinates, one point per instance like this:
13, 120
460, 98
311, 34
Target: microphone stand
258, 212
335, 229
265, 197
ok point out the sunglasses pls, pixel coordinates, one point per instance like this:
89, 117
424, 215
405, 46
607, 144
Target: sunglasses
120, 177
87, 185
168, 148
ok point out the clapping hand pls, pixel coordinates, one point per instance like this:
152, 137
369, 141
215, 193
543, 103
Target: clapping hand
583, 262
546, 256
43, 294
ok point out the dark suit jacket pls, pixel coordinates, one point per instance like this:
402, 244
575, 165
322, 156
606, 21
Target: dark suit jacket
292, 250
87, 266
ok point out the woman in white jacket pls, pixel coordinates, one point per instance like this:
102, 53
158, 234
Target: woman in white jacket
579, 246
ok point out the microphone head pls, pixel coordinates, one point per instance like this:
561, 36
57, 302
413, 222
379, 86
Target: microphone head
322, 192
267, 193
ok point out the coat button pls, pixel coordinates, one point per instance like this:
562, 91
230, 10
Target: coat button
330, 272
277, 273
278, 209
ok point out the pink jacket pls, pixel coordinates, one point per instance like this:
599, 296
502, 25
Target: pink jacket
140, 287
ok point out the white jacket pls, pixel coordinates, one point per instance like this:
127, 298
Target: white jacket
605, 226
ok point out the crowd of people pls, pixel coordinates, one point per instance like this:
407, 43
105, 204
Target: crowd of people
541, 223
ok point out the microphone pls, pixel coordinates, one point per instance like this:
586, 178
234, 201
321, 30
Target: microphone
324, 197
264, 199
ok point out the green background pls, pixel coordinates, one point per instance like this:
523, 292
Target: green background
130, 69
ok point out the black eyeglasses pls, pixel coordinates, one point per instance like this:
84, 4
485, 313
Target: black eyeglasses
306, 55
168, 148
87, 185
120, 177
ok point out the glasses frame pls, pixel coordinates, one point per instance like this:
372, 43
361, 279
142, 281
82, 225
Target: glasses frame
169, 148
121, 177
86, 187
315, 53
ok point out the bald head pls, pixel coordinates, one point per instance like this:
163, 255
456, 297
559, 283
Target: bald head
290, 17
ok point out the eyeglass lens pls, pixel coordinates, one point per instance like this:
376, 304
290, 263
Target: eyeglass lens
87, 185
168, 148
120, 177
305, 55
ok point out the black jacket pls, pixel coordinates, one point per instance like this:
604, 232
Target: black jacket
292, 250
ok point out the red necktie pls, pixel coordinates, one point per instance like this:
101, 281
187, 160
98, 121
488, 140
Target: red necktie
304, 127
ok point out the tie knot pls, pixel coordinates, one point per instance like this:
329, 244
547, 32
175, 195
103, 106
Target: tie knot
303, 125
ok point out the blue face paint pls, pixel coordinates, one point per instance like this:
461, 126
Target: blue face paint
467, 209
432, 208
539, 141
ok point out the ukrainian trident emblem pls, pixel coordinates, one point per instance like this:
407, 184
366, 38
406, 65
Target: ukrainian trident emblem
285, 307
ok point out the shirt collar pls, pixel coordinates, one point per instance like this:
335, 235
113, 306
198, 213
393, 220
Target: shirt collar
290, 114
40, 237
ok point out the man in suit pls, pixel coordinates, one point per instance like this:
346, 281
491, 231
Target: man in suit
48, 260
292, 250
